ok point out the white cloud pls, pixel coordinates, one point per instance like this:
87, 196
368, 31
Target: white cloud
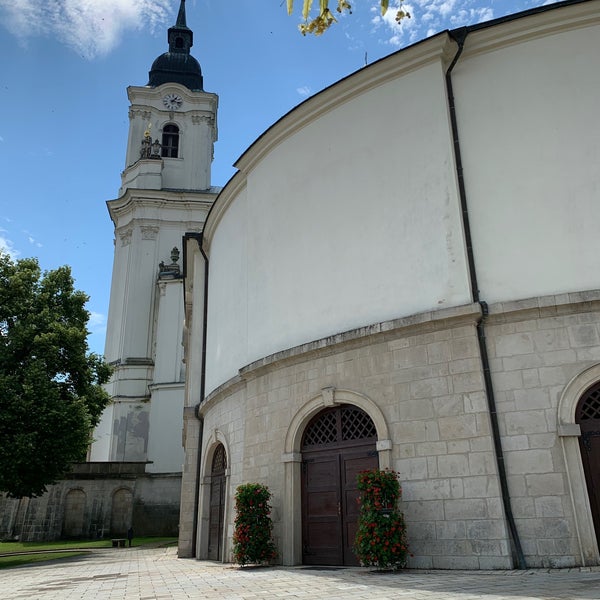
428, 17
90, 27
7, 246
304, 91
34, 242
97, 322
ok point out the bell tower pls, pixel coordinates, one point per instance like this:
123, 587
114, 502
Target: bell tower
165, 192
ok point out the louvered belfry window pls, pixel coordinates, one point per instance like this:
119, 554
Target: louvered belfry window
589, 405
336, 426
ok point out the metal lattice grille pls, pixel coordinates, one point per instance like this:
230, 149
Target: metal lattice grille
322, 431
357, 425
339, 425
219, 462
589, 407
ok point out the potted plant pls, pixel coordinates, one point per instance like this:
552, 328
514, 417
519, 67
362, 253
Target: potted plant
381, 536
252, 538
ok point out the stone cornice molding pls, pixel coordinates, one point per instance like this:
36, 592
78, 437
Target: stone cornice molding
437, 48
528, 27
425, 322
144, 95
164, 200
551, 305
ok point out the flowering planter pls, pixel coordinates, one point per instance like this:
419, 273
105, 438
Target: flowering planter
381, 536
252, 538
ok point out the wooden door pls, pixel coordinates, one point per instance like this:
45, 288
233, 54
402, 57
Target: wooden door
588, 417
352, 464
337, 445
217, 504
322, 503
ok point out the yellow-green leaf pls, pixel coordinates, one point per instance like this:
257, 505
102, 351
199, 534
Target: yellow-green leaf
290, 6
384, 6
306, 8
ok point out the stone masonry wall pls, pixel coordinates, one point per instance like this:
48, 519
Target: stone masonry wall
154, 508
427, 381
534, 353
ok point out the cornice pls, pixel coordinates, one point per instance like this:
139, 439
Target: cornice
437, 48
440, 47
425, 322
231, 191
530, 27
165, 200
147, 94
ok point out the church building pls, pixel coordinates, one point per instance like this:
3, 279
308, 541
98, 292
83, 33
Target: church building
404, 272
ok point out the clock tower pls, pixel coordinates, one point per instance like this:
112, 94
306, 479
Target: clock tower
165, 192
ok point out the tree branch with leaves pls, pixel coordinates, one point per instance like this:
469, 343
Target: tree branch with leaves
325, 18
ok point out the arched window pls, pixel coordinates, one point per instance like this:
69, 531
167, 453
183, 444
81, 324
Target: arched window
170, 141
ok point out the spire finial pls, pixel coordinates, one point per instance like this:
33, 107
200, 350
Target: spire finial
181, 15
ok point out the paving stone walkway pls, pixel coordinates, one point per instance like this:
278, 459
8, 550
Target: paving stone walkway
157, 574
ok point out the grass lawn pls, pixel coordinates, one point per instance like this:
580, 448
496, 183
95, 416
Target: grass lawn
6, 562
36, 550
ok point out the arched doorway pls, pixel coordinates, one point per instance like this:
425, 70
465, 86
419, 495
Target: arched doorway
217, 504
588, 418
74, 512
121, 512
337, 444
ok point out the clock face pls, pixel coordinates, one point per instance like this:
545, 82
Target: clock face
172, 101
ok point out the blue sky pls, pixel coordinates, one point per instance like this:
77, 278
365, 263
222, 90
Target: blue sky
65, 69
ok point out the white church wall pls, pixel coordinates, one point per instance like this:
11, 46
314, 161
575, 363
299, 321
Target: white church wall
227, 332
528, 127
337, 239
165, 450
117, 295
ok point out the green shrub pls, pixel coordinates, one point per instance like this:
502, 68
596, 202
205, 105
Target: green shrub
381, 536
252, 538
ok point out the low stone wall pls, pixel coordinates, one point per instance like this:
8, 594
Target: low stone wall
96, 500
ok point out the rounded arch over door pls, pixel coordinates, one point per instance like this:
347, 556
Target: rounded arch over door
121, 512
337, 444
587, 416
216, 517
291, 546
569, 432
74, 513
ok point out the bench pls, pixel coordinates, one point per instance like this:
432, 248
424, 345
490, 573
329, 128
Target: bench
119, 543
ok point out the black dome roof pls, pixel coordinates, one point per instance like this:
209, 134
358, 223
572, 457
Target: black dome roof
178, 65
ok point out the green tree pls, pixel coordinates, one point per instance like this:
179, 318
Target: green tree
325, 18
50, 385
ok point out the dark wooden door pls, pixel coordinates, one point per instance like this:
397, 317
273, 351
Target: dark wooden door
352, 464
322, 503
588, 417
217, 504
337, 445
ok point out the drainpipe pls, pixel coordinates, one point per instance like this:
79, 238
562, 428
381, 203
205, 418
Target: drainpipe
198, 237
459, 36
